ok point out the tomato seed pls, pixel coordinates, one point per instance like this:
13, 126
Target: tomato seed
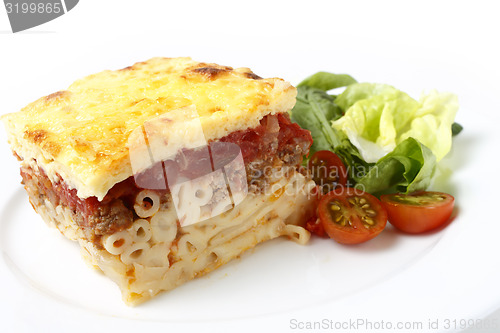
370, 212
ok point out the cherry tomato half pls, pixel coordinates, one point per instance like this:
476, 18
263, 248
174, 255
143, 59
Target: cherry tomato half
327, 170
418, 212
351, 216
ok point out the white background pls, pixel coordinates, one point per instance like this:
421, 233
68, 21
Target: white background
447, 45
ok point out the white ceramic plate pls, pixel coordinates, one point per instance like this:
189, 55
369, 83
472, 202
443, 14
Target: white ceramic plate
443, 274
443, 277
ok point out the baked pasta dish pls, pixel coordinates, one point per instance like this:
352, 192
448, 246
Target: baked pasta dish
165, 170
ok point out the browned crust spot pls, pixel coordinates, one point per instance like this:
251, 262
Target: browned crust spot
252, 76
82, 146
204, 64
134, 66
36, 136
40, 138
212, 72
57, 95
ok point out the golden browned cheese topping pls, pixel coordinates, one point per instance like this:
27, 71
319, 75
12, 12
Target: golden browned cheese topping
82, 133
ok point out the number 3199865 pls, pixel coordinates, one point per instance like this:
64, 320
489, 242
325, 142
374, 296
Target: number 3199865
40, 8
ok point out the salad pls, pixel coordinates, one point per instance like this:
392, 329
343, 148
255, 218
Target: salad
374, 153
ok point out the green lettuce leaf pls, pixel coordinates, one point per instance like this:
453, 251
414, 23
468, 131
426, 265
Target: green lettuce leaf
456, 128
375, 110
326, 81
378, 117
408, 168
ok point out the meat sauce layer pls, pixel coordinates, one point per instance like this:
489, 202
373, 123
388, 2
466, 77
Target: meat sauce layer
274, 143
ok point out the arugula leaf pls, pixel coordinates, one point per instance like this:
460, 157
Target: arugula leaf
326, 81
315, 110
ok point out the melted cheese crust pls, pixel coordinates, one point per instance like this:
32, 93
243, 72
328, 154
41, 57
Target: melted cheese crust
82, 133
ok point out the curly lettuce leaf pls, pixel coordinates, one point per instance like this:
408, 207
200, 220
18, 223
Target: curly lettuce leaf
378, 117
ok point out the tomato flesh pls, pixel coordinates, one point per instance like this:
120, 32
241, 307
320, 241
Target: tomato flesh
315, 227
351, 216
313, 224
327, 170
418, 212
